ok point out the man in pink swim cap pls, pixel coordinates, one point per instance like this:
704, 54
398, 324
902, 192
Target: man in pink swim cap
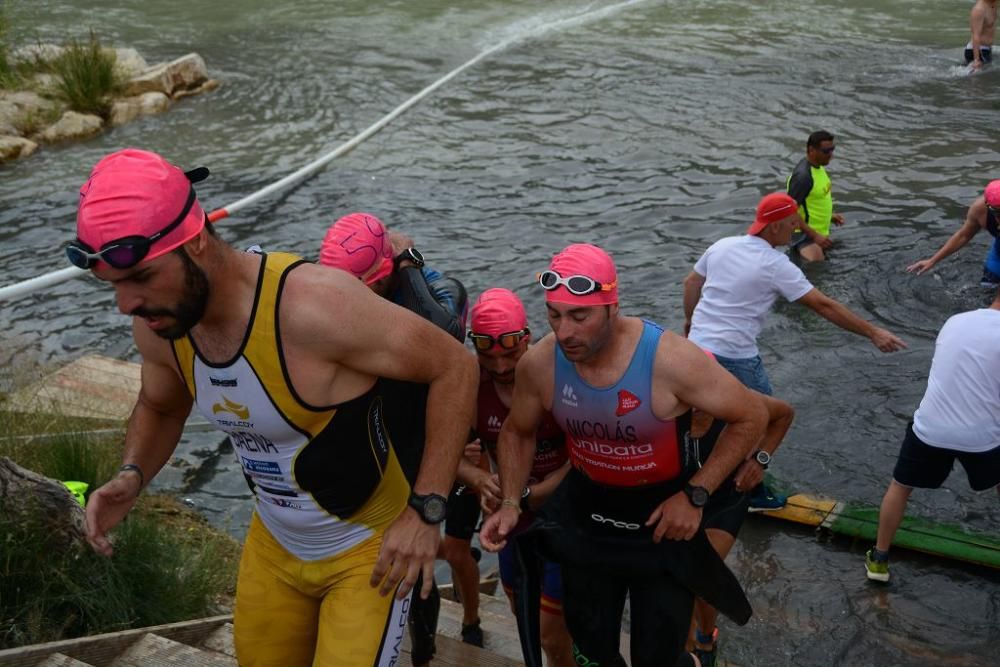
983, 213
285, 357
622, 390
499, 332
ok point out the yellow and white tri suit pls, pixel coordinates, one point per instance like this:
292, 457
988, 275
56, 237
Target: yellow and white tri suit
327, 484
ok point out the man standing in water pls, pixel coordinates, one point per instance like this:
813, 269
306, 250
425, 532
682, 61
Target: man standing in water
983, 213
286, 357
809, 186
958, 418
622, 390
982, 24
732, 288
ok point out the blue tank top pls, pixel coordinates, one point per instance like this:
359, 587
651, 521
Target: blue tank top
993, 257
612, 435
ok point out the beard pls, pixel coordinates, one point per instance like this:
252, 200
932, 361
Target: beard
191, 308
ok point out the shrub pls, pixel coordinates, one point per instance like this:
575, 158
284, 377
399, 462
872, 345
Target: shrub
87, 76
7, 78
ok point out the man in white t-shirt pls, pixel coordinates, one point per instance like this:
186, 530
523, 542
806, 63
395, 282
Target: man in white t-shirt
958, 418
732, 288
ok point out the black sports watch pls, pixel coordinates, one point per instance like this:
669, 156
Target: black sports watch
410, 254
432, 508
525, 507
698, 495
763, 458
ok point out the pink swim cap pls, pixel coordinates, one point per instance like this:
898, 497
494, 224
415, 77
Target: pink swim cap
359, 244
584, 259
137, 193
498, 311
992, 194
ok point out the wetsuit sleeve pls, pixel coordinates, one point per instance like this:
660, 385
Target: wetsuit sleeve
800, 184
434, 297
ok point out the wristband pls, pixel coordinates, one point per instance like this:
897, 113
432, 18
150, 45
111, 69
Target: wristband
510, 502
137, 470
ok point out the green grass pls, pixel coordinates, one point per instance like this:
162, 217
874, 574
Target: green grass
7, 78
87, 76
168, 565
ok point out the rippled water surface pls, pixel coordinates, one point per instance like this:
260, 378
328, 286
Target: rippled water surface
650, 128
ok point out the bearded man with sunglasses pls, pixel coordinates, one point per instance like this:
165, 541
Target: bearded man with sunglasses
501, 336
287, 358
622, 390
809, 185
983, 213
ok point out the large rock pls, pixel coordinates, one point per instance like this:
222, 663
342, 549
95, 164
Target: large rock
72, 125
23, 109
129, 63
12, 148
185, 73
128, 109
209, 85
27, 497
45, 53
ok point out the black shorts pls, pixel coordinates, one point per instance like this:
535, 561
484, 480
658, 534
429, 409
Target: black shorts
727, 509
463, 513
923, 466
985, 54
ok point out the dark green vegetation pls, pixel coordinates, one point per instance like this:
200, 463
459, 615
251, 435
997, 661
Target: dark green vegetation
87, 76
168, 564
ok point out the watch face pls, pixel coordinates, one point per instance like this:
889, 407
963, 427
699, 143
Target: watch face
415, 256
763, 457
698, 495
435, 508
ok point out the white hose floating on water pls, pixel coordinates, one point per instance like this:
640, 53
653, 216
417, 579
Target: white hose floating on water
23, 288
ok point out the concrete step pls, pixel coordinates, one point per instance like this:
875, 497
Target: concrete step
156, 651
221, 640
62, 660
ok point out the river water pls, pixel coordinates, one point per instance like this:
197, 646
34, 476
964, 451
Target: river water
650, 128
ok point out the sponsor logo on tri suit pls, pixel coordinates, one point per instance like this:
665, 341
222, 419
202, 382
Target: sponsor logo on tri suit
241, 411
625, 525
266, 467
400, 626
582, 660
252, 442
223, 382
494, 423
281, 502
569, 396
627, 402
375, 417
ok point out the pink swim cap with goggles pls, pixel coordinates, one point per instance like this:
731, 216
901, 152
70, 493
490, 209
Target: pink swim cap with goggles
359, 244
581, 275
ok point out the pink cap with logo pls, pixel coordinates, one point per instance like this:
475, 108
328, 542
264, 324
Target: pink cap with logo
584, 259
992, 194
359, 244
498, 311
772, 208
138, 193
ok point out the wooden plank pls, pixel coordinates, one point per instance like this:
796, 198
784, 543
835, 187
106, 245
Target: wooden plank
92, 386
453, 653
221, 640
100, 650
156, 651
61, 660
804, 508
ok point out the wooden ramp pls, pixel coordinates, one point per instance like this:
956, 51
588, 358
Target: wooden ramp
201, 643
92, 386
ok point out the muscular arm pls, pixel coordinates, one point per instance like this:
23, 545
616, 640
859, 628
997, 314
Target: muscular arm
964, 234
516, 445
152, 434
692, 295
977, 26
839, 314
779, 419
440, 306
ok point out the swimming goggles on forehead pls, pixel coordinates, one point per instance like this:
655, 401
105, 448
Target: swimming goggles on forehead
126, 252
507, 341
577, 285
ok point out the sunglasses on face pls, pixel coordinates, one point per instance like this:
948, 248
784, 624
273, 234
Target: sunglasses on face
506, 341
126, 252
577, 285
827, 151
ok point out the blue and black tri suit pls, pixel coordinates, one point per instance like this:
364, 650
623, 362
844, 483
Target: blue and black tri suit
991, 266
626, 461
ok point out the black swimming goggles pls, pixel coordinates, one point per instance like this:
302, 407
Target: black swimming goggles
126, 252
577, 285
506, 341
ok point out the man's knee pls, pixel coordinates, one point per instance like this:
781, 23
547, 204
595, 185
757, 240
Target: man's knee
812, 253
456, 551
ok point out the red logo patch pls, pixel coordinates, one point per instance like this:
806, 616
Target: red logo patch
627, 402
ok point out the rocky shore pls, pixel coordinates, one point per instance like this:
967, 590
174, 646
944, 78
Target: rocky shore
36, 115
